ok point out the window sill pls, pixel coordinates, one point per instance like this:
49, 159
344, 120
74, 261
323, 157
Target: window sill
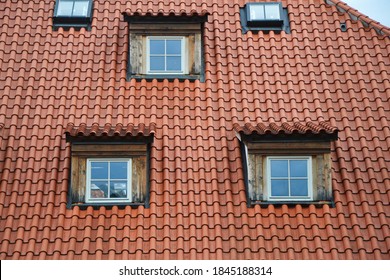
84, 206
265, 204
190, 78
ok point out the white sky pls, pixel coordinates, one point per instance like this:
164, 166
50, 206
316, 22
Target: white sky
378, 10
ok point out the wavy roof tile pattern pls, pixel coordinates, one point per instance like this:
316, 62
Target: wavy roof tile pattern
286, 128
198, 209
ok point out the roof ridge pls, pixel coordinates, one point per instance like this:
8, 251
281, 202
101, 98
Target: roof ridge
355, 15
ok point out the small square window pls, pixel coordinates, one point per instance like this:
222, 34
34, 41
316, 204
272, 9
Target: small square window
166, 55
289, 178
72, 13
109, 180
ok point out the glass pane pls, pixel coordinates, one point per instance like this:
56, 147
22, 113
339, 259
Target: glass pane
174, 63
279, 168
157, 46
80, 8
118, 189
64, 8
298, 168
272, 11
257, 12
279, 187
99, 170
157, 63
299, 187
118, 170
99, 189
174, 47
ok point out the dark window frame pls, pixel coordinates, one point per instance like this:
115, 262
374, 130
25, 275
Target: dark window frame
69, 21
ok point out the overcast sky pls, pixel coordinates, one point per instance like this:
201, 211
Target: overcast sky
378, 10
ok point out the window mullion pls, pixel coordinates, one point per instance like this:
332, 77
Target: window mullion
129, 180
165, 55
109, 180
73, 3
289, 177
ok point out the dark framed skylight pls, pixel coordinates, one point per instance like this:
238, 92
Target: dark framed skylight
73, 13
260, 14
265, 16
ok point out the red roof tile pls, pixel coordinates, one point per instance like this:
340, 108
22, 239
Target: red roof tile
109, 130
316, 79
286, 128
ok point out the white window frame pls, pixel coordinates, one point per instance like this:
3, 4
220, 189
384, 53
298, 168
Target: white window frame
59, 2
88, 197
184, 55
263, 5
309, 197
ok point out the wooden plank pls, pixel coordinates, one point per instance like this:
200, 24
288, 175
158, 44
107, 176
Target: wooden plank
139, 179
191, 54
164, 27
251, 175
259, 177
287, 148
82, 178
328, 176
78, 180
136, 51
96, 148
74, 180
197, 54
255, 177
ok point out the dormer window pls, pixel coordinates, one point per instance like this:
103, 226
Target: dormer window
166, 47
287, 164
264, 16
109, 165
72, 13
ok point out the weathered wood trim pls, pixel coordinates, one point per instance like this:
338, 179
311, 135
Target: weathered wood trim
163, 28
289, 148
139, 179
328, 177
95, 150
136, 53
78, 180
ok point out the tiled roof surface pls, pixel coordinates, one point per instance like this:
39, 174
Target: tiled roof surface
198, 208
286, 128
109, 130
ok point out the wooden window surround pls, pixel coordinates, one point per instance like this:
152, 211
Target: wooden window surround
255, 159
190, 28
137, 154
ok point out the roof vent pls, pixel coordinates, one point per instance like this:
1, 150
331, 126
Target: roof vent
343, 26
